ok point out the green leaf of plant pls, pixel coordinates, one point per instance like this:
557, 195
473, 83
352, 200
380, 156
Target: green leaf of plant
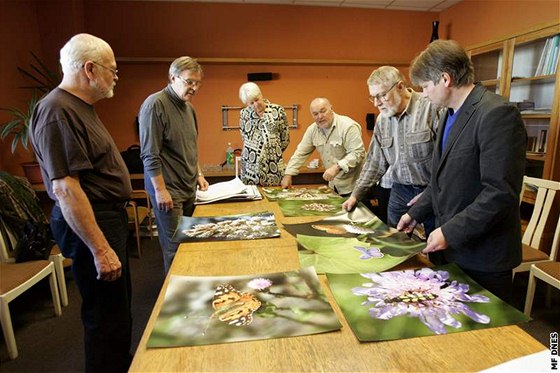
339, 255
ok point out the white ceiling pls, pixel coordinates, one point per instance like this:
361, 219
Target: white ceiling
418, 5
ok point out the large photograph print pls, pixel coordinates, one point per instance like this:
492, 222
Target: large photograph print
419, 302
210, 310
352, 243
321, 201
223, 228
299, 194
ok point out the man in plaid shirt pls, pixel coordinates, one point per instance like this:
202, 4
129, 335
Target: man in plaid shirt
400, 152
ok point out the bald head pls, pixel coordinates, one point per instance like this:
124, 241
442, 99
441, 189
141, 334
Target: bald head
322, 112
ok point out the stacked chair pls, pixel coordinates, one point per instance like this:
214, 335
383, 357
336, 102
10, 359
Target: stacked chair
534, 251
18, 201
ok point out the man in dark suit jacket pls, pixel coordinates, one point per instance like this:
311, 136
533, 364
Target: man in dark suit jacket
477, 171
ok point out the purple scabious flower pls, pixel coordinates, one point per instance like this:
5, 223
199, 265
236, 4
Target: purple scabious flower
260, 284
422, 293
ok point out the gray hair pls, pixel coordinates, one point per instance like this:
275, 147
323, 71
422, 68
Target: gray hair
248, 92
184, 63
442, 56
79, 49
385, 76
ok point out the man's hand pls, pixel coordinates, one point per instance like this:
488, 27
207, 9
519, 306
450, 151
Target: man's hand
164, 200
202, 183
108, 265
406, 224
436, 242
350, 203
286, 181
331, 172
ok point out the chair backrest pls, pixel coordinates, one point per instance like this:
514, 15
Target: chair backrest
7, 244
546, 192
555, 242
141, 194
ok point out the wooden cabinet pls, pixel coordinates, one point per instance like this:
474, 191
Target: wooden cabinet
522, 68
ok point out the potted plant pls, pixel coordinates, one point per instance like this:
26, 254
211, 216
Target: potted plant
43, 81
19, 128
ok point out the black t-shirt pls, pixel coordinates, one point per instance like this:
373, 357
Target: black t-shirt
69, 139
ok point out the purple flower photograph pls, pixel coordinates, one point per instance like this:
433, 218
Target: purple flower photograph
418, 302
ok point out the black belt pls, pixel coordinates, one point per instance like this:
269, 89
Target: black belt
108, 206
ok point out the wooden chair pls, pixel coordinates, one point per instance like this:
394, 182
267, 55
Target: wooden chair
533, 250
60, 262
549, 272
15, 279
136, 215
55, 256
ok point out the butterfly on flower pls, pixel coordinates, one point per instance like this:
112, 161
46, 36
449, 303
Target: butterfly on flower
355, 229
330, 229
234, 307
369, 253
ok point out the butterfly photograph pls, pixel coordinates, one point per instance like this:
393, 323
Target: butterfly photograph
211, 310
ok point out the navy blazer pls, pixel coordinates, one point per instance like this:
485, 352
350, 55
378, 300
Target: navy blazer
476, 182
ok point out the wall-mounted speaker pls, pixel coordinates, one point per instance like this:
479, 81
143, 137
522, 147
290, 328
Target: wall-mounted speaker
256, 77
370, 121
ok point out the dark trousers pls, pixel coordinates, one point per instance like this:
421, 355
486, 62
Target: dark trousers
167, 222
498, 283
382, 196
401, 194
105, 305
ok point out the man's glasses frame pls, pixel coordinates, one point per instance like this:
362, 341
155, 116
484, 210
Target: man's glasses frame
383, 96
114, 71
189, 82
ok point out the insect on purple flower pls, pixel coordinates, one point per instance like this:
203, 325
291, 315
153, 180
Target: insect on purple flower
424, 293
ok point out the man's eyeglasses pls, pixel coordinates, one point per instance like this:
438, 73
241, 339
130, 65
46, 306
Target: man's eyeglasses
114, 71
189, 82
383, 96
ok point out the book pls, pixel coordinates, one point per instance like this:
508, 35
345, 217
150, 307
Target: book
549, 57
539, 70
233, 190
551, 68
542, 141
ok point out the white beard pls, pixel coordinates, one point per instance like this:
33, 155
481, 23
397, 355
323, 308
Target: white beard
391, 111
104, 93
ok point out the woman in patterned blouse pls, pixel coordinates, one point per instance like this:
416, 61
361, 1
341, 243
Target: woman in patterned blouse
264, 131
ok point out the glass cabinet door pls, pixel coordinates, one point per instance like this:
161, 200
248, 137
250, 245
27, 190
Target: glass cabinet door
488, 62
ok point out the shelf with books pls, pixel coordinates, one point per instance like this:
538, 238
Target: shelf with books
523, 68
537, 134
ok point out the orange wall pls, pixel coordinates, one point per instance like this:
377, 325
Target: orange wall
244, 31
169, 29
472, 22
21, 17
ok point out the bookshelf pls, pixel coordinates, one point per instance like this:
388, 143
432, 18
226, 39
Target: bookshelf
524, 68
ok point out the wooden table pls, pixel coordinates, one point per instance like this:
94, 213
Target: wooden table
338, 351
